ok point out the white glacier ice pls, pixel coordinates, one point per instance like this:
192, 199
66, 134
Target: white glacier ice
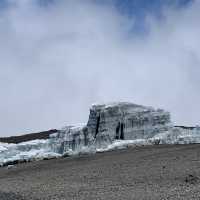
25, 151
178, 136
60, 144
113, 126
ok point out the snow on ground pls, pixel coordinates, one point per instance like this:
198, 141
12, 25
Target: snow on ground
42, 149
122, 144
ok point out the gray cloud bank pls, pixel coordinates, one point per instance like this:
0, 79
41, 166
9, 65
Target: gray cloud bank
57, 60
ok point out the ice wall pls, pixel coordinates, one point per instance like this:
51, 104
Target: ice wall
109, 126
177, 135
110, 122
25, 151
71, 139
127, 121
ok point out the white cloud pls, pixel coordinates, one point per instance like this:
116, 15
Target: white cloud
56, 60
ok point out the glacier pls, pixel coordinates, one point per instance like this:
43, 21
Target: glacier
109, 127
25, 152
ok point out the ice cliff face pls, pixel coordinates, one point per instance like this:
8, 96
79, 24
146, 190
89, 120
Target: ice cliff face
25, 151
110, 122
71, 139
109, 126
126, 121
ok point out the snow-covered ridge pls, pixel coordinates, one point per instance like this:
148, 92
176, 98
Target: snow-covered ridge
110, 126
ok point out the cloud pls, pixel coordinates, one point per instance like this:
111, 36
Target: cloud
56, 60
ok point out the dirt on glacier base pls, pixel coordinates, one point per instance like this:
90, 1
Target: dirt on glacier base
149, 172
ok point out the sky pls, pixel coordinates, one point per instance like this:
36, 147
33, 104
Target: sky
59, 57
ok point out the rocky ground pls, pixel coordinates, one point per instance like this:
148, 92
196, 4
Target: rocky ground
151, 172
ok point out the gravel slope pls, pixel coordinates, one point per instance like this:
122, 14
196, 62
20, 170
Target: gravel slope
151, 172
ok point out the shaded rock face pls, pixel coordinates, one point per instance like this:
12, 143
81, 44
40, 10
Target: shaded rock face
127, 121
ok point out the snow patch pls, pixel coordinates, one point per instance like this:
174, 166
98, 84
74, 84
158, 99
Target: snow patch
122, 144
